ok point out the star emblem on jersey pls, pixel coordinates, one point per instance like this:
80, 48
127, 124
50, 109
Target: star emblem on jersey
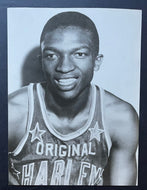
37, 133
95, 132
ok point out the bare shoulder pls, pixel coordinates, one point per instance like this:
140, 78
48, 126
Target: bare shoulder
17, 116
122, 121
114, 103
18, 102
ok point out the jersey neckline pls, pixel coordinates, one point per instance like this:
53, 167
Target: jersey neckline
76, 133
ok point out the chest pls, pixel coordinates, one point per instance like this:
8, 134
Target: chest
67, 125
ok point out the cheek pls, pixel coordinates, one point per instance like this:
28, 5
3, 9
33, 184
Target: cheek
48, 67
87, 67
87, 73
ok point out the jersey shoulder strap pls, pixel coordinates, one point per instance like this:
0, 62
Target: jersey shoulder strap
102, 108
29, 120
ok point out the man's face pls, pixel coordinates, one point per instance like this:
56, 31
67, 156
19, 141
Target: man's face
68, 61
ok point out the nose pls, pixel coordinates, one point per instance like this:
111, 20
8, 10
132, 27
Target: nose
65, 65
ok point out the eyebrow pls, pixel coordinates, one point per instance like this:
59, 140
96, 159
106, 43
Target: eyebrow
50, 49
57, 50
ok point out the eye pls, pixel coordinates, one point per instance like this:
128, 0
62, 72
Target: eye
80, 55
51, 56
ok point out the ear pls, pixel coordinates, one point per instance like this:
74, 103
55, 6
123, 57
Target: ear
98, 62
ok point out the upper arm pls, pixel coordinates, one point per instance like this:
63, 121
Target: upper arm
17, 117
123, 129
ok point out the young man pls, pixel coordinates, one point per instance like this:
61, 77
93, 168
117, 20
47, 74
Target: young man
67, 131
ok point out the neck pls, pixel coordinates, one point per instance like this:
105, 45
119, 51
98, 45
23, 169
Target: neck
67, 107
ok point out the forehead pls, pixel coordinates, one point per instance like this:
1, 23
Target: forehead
67, 36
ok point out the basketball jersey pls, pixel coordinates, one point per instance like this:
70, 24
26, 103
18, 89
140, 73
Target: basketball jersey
44, 156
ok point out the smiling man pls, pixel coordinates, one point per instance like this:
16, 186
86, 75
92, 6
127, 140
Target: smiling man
67, 131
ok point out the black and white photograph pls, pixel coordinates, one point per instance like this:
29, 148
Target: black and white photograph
74, 92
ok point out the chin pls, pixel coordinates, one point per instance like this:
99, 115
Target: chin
67, 95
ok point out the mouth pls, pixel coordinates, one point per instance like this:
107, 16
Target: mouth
66, 83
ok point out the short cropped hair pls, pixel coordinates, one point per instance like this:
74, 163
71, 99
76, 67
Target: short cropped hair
77, 19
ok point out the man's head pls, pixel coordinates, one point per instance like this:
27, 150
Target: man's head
66, 19
69, 48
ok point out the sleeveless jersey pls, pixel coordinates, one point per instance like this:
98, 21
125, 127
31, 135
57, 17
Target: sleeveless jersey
44, 156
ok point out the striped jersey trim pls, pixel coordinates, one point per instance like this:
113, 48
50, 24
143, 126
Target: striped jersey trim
29, 121
107, 136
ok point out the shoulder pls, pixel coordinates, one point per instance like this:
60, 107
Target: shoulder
121, 120
18, 102
17, 115
117, 105
18, 96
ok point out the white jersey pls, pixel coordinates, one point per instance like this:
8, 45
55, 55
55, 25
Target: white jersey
44, 156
